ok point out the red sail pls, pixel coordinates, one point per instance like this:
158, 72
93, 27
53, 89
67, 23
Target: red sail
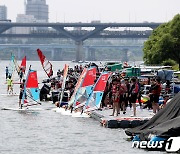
32, 81
101, 83
23, 64
90, 77
47, 66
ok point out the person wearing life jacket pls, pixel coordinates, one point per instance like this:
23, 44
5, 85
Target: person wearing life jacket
21, 92
9, 85
115, 97
7, 72
20, 74
155, 92
122, 93
133, 94
127, 93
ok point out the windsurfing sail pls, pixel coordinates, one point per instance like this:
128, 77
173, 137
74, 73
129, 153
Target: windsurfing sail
31, 89
86, 88
23, 64
13, 65
47, 66
95, 98
78, 84
64, 82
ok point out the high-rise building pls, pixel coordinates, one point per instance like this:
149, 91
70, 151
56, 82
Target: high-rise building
37, 8
3, 12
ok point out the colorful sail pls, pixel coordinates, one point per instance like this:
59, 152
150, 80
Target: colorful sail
11, 67
47, 66
78, 84
23, 64
31, 89
94, 100
86, 88
64, 82
17, 68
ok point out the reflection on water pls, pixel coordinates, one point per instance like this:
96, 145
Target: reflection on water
49, 132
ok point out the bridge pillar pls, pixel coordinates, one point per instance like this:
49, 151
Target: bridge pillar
79, 48
19, 53
60, 54
91, 54
52, 53
125, 55
86, 53
56, 54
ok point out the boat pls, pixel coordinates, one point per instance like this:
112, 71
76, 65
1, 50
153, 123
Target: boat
113, 66
165, 124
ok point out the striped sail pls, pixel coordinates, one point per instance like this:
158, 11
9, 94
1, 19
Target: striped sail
78, 84
94, 100
47, 66
64, 82
86, 88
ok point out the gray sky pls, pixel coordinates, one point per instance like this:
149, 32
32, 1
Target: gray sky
104, 10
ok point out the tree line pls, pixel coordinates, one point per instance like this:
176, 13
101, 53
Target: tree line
164, 43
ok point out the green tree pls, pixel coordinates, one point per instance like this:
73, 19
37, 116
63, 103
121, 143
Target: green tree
164, 43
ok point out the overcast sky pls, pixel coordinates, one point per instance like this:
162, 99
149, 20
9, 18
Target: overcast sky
104, 10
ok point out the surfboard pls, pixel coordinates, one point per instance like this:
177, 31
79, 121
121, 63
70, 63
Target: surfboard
9, 94
66, 112
23, 109
79, 115
58, 110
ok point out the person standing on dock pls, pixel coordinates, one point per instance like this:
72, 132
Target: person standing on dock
115, 97
155, 93
133, 95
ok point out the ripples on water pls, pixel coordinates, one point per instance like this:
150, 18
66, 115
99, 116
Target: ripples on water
49, 132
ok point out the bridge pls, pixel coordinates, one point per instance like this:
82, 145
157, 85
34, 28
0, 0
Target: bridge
61, 31
57, 49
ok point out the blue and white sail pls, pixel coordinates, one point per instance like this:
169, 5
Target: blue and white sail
95, 98
31, 89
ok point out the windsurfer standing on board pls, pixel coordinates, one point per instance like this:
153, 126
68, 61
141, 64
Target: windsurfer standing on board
9, 85
7, 72
21, 92
21, 74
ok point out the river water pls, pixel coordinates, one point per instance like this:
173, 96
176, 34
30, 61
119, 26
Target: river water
48, 132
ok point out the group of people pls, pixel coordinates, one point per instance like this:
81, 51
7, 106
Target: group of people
119, 93
123, 92
9, 82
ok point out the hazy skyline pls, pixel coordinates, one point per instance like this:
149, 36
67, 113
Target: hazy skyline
104, 10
